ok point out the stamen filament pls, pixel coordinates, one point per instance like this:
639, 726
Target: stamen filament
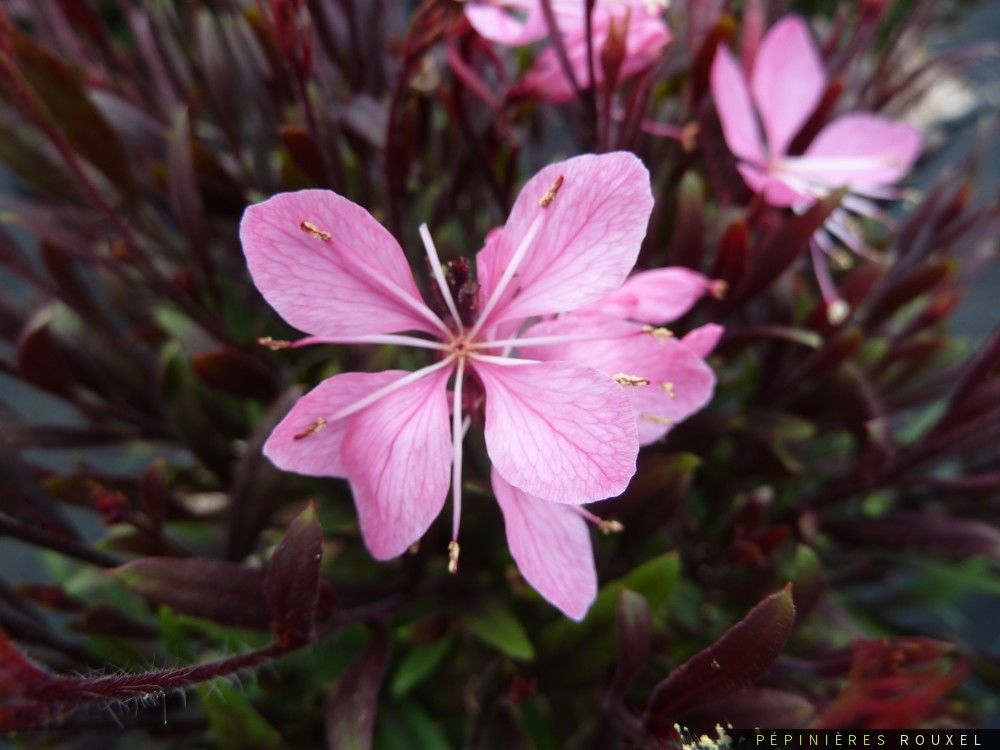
606, 526
387, 338
385, 390
432, 256
502, 361
508, 274
416, 305
546, 340
457, 433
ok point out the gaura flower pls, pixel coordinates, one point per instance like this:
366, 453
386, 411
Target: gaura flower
559, 433
517, 23
862, 152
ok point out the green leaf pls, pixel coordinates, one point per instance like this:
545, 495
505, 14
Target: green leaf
235, 723
497, 626
655, 579
419, 664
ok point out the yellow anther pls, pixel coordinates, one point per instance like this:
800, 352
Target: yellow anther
312, 429
657, 419
633, 380
453, 551
611, 527
273, 344
550, 194
668, 388
658, 332
311, 229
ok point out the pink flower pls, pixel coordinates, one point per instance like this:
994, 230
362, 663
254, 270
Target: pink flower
862, 152
559, 432
517, 23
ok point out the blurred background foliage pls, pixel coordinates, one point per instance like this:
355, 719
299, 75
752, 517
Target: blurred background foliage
141, 529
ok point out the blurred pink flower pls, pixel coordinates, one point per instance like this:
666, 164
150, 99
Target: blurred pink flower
517, 23
559, 433
862, 152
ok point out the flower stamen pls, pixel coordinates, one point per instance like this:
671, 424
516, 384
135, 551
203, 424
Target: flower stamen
453, 552
550, 194
274, 344
669, 388
657, 419
630, 380
310, 429
314, 231
658, 332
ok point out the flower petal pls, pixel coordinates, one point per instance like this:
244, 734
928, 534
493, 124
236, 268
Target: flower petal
776, 188
302, 444
788, 81
679, 381
558, 431
736, 113
704, 339
860, 150
328, 268
588, 240
514, 23
658, 296
645, 39
397, 454
551, 545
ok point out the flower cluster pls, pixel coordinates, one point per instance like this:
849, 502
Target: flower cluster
727, 304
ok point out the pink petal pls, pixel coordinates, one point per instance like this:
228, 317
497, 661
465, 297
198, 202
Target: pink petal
788, 81
559, 431
329, 288
292, 447
658, 296
589, 238
860, 150
704, 339
511, 22
644, 42
777, 191
397, 453
680, 383
736, 113
551, 545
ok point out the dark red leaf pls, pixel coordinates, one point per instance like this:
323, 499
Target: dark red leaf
61, 90
352, 703
224, 592
770, 258
754, 707
732, 253
954, 537
737, 659
292, 580
41, 359
234, 371
687, 242
633, 637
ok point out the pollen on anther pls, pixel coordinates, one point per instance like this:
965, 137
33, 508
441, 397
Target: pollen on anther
669, 388
611, 527
550, 194
311, 429
657, 419
273, 344
658, 332
631, 380
314, 231
453, 550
